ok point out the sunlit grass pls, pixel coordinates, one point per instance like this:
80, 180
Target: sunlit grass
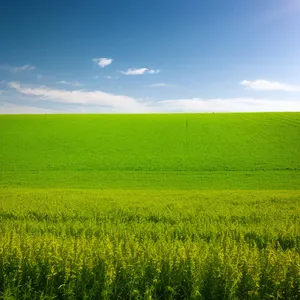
80, 244
150, 206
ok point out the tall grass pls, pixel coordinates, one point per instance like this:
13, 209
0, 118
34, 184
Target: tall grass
149, 245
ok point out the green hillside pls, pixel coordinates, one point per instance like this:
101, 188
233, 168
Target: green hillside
195, 206
206, 151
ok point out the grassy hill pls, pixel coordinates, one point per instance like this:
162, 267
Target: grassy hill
195, 206
190, 151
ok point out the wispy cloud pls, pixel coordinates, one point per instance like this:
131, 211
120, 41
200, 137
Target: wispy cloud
103, 61
159, 85
9, 108
140, 71
153, 71
23, 68
111, 77
97, 98
73, 83
97, 101
265, 85
17, 69
227, 105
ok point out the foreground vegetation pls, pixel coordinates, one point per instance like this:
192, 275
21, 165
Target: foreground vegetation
149, 245
150, 207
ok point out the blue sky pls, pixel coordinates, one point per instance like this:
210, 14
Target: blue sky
149, 56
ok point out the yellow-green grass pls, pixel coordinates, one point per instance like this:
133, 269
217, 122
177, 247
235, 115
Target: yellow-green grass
90, 244
150, 206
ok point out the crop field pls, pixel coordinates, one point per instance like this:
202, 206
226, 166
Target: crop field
182, 206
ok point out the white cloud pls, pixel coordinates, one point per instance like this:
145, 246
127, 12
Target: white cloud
264, 85
98, 101
98, 98
73, 83
17, 69
140, 71
8, 108
102, 61
159, 85
22, 68
153, 71
111, 77
228, 105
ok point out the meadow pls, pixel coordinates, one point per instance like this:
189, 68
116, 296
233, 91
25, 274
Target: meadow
189, 206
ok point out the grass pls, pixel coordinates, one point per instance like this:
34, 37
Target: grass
150, 207
80, 244
197, 151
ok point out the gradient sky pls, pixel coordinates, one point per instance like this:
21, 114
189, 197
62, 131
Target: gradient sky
149, 56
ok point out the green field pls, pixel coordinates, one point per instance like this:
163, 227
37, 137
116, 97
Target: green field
179, 206
196, 151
